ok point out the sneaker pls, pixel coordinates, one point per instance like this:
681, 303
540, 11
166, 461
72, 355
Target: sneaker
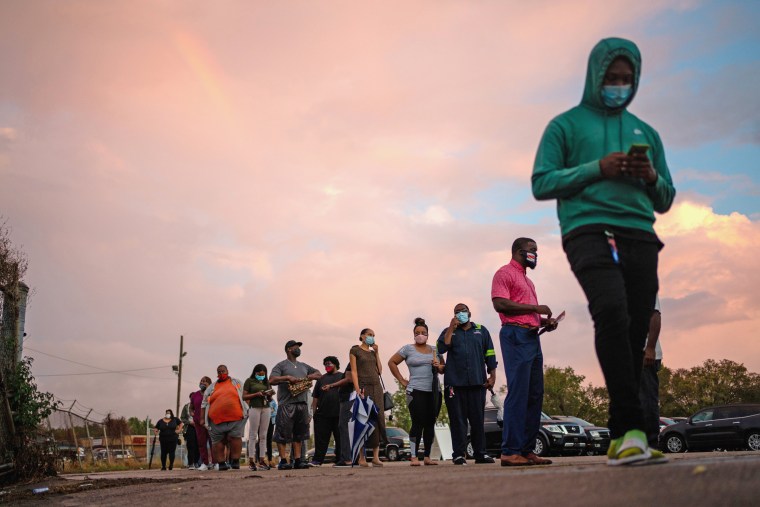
315, 464
342, 464
202, 468
224, 466
235, 465
284, 465
460, 461
263, 466
656, 458
628, 449
300, 465
484, 459
191, 467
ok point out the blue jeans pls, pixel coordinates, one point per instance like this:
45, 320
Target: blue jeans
524, 362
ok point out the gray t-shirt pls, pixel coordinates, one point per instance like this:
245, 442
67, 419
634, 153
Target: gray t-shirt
298, 370
420, 368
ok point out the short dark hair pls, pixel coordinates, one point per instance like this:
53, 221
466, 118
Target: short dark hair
170, 411
520, 243
363, 331
333, 360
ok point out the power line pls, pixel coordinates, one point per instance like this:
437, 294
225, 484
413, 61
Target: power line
102, 370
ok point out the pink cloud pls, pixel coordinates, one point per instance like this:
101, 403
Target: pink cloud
286, 170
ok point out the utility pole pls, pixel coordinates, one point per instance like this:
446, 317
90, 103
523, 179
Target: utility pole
179, 372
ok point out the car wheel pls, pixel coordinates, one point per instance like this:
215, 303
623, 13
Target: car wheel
470, 451
674, 443
391, 453
753, 440
542, 448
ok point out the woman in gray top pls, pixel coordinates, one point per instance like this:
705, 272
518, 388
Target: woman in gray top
422, 390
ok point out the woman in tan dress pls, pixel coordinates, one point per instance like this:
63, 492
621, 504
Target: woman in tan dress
365, 361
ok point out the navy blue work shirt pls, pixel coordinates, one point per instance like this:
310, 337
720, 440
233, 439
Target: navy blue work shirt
468, 355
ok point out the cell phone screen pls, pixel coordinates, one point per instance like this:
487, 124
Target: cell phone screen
638, 149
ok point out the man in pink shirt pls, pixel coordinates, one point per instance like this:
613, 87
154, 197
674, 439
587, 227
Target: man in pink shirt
514, 298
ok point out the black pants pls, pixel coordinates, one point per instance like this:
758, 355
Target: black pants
649, 395
324, 427
270, 434
423, 412
168, 447
621, 300
466, 404
193, 454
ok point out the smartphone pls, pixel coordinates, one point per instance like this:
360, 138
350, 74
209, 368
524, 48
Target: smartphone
638, 149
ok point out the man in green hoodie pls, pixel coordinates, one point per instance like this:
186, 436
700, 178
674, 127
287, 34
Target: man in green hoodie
607, 170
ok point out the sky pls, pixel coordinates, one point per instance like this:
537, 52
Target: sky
245, 173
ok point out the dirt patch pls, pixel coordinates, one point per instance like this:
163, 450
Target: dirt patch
55, 486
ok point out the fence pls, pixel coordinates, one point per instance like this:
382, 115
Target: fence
80, 439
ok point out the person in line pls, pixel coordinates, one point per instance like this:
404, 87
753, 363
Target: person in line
292, 423
344, 386
201, 433
191, 441
223, 413
606, 168
422, 389
325, 405
168, 430
270, 431
514, 299
469, 353
257, 392
365, 361
649, 390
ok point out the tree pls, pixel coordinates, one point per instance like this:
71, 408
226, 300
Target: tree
565, 394
116, 427
683, 392
138, 426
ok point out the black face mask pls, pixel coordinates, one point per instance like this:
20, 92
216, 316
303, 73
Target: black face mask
296, 352
531, 258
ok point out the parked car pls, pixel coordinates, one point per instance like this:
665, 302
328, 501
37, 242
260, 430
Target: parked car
598, 436
554, 437
666, 421
720, 427
102, 454
69, 452
396, 449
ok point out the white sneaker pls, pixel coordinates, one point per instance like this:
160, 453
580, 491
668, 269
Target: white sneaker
191, 467
203, 467
216, 467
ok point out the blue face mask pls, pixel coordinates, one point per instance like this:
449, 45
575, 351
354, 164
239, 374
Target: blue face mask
463, 317
616, 96
260, 378
369, 340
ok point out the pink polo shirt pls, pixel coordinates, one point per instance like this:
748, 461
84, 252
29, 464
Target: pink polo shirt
511, 282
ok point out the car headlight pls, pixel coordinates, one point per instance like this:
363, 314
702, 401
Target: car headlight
594, 433
553, 428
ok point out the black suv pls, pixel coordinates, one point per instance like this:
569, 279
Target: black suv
721, 427
554, 437
598, 436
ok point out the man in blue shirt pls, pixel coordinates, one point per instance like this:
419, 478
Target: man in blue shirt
469, 352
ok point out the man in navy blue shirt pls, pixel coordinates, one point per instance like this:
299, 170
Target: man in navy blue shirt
469, 353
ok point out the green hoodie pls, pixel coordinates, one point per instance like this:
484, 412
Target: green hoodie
567, 162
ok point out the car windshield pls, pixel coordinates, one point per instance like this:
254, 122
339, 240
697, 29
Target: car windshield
396, 432
666, 420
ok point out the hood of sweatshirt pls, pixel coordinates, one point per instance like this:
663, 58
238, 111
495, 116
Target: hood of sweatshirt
599, 60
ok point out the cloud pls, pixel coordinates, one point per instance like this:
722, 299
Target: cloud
277, 171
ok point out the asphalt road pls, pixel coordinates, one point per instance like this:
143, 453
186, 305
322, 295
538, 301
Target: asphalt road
691, 479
